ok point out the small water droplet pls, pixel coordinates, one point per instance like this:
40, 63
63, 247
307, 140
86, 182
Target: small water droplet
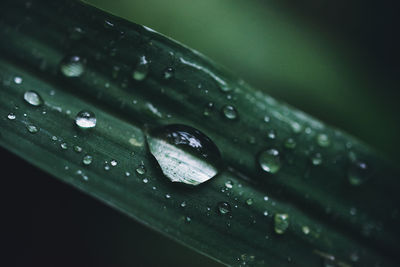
290, 143
266, 198
316, 159
188, 219
267, 119
281, 223
64, 146
145, 180
141, 169
249, 201
323, 140
87, 159
113, 163
72, 66
127, 174
141, 70
271, 134
296, 127
77, 149
269, 160
168, 73
17, 80
85, 119
32, 128
265, 213
228, 184
33, 98
224, 208
184, 154
305, 229
229, 112
54, 138
183, 204
208, 109
167, 196
357, 173
106, 166
11, 116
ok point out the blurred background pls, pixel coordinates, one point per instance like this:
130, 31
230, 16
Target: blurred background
336, 60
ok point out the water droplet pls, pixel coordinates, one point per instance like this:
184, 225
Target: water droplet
145, 180
113, 163
106, 166
208, 109
281, 223
64, 146
168, 73
305, 229
265, 213
87, 159
33, 98
296, 127
141, 169
316, 159
184, 154
85, 119
188, 219
77, 149
141, 70
72, 66
249, 201
167, 196
266, 198
357, 173
32, 128
224, 208
290, 143
17, 80
271, 134
228, 184
323, 140
267, 119
127, 174
229, 112
11, 116
270, 161
54, 138
108, 24
183, 204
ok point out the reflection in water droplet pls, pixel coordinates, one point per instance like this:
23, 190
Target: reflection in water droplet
33, 98
85, 119
269, 160
323, 140
141, 70
224, 208
72, 66
32, 128
290, 143
229, 112
357, 173
87, 159
281, 223
11, 116
184, 154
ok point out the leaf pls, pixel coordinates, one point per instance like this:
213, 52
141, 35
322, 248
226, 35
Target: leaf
329, 198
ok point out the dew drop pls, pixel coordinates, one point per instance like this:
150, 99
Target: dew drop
17, 80
183, 204
167, 196
77, 149
249, 201
168, 73
188, 219
141, 169
267, 119
266, 198
228, 184
305, 229
208, 109
265, 213
269, 160
32, 128
296, 127
357, 173
127, 174
11, 116
316, 159
184, 154
141, 70
323, 140
145, 180
64, 146
281, 223
87, 159
271, 134
33, 98
113, 163
85, 119
224, 208
229, 112
290, 143
72, 66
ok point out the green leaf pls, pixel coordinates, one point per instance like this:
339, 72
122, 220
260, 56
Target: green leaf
290, 190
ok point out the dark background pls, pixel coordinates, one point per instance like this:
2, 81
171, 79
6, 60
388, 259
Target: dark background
338, 61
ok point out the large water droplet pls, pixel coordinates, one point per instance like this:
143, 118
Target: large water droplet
141, 70
270, 161
85, 119
229, 112
185, 154
224, 208
357, 173
33, 98
281, 223
72, 66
